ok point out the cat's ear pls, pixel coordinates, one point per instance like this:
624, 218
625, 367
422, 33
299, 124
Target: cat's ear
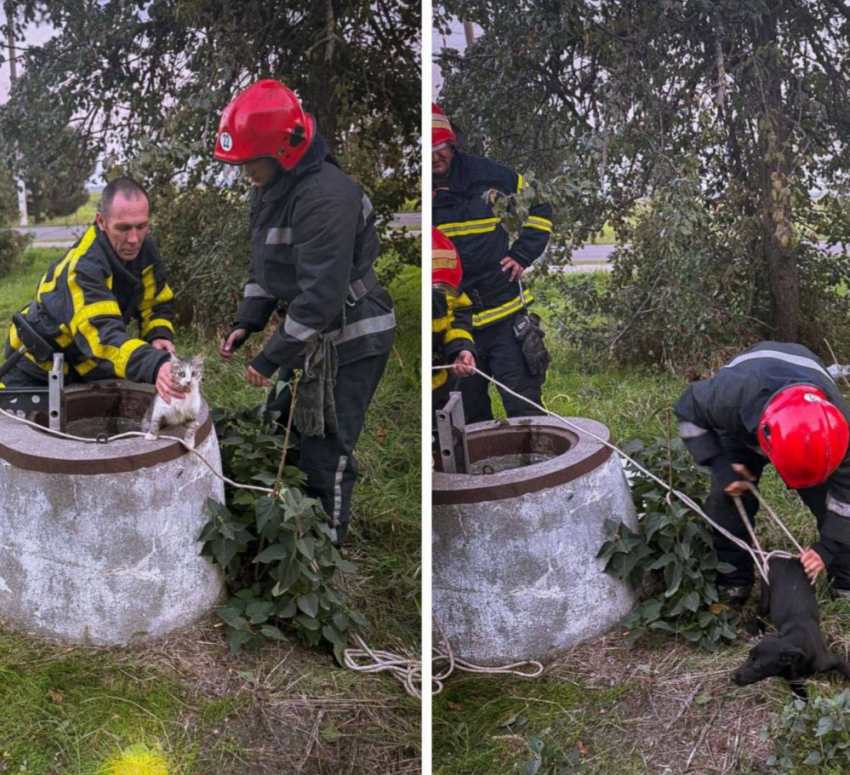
198, 361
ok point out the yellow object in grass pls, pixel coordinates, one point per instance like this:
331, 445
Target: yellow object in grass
137, 760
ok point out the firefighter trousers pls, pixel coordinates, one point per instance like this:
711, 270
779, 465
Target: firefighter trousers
329, 463
500, 356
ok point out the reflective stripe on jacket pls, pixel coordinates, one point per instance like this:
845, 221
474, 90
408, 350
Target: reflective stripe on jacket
728, 407
85, 302
463, 211
451, 331
313, 244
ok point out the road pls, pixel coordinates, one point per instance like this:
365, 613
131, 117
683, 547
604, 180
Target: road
590, 258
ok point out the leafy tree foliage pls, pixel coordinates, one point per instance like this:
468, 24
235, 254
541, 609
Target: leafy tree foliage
144, 83
615, 103
12, 244
55, 168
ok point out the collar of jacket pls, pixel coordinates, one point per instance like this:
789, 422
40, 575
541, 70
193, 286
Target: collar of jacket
311, 162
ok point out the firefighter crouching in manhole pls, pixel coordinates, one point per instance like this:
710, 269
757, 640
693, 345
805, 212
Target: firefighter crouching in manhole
85, 302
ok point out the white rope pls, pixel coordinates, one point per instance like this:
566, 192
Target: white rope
454, 663
677, 493
406, 669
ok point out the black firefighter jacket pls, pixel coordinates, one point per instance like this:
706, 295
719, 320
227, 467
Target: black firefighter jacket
716, 415
463, 211
85, 302
313, 243
451, 332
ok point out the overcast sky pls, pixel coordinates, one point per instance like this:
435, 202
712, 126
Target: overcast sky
35, 36
456, 40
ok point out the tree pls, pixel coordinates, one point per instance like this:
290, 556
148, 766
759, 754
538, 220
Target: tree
614, 103
55, 168
146, 82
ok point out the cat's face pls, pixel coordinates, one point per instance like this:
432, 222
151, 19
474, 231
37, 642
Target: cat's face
187, 372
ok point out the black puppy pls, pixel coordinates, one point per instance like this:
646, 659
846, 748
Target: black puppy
796, 651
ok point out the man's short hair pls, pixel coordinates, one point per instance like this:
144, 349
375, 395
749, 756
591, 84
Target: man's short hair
127, 187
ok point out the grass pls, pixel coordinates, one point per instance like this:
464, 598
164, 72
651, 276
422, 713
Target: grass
184, 700
659, 707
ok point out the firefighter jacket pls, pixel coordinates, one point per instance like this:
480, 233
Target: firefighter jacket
313, 243
451, 332
718, 414
463, 211
85, 302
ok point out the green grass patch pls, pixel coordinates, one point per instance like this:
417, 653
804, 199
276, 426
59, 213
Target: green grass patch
70, 711
482, 725
73, 711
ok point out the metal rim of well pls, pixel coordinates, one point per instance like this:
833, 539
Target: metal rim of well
63, 456
582, 456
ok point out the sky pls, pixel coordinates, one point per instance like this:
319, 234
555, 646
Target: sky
456, 40
35, 36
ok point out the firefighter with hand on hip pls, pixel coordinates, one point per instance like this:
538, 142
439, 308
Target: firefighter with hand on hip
508, 339
313, 243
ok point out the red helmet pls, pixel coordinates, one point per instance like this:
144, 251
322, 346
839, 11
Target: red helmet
446, 271
441, 129
265, 120
804, 435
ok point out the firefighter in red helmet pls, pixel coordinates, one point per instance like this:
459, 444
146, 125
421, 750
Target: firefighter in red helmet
451, 320
508, 338
776, 403
313, 244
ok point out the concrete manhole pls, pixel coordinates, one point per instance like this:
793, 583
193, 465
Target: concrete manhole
515, 540
99, 540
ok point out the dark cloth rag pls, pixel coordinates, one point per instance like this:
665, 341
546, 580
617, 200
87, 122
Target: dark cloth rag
315, 409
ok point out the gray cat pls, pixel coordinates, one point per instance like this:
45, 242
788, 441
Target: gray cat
187, 372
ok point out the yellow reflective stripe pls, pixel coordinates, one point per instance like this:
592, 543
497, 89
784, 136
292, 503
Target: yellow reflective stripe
110, 308
502, 311
156, 323
85, 367
440, 377
520, 184
46, 286
457, 302
456, 333
540, 223
66, 337
476, 230
463, 224
117, 356
440, 324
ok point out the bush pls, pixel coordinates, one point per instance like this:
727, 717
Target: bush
671, 558
814, 733
202, 234
276, 553
12, 244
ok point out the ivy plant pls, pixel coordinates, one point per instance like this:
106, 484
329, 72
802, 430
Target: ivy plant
275, 550
814, 733
670, 558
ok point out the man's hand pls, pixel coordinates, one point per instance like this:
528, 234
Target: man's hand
227, 345
166, 386
740, 487
464, 365
256, 379
509, 265
164, 344
812, 563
